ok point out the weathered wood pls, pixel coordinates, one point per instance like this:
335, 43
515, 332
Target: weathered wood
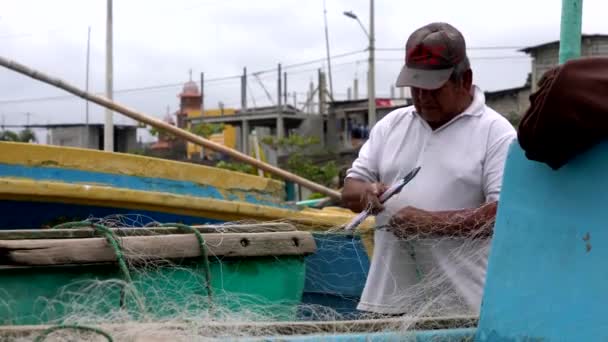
217, 329
139, 248
18, 234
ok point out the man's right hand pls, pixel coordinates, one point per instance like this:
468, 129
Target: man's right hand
358, 195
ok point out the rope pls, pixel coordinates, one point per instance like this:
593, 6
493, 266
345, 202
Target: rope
112, 240
50, 330
204, 254
110, 237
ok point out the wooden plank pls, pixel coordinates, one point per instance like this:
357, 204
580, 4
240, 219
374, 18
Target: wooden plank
18, 234
140, 248
218, 329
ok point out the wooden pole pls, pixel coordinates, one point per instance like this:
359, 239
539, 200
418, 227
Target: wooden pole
159, 124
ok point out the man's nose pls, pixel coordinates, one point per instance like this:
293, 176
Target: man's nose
424, 94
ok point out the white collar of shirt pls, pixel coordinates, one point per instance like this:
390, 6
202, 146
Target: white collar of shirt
476, 108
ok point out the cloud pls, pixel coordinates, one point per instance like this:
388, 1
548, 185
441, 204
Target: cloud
158, 42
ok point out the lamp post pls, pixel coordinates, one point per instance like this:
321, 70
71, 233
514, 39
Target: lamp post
371, 75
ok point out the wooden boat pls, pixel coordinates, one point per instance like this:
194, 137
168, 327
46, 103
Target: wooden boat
42, 186
48, 275
544, 215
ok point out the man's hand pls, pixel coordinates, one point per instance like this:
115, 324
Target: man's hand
412, 222
359, 195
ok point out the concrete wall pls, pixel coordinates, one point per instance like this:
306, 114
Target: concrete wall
547, 57
74, 136
510, 104
125, 139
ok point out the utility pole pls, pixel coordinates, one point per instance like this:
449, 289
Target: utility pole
109, 125
86, 109
285, 88
309, 98
371, 78
202, 93
356, 89
280, 122
331, 86
244, 90
321, 93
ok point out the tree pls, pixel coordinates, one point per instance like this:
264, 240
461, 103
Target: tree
300, 161
25, 135
206, 130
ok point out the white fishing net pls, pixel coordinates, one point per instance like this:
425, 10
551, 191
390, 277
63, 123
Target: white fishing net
167, 300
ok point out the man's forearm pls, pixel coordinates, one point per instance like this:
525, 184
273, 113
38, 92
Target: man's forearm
475, 222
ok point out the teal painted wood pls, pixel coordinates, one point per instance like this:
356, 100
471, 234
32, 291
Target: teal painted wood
546, 277
447, 335
570, 30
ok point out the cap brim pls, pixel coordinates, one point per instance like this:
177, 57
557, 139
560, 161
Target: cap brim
423, 78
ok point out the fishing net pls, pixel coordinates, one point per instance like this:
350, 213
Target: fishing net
200, 299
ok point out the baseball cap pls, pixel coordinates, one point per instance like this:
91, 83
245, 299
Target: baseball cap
431, 53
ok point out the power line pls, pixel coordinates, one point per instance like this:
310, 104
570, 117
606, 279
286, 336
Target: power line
172, 85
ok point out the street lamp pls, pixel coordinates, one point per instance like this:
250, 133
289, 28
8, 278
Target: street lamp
371, 78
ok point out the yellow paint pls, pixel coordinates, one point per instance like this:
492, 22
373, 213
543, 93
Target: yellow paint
88, 194
134, 165
192, 113
226, 138
219, 112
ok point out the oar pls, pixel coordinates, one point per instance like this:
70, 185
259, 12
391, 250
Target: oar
193, 138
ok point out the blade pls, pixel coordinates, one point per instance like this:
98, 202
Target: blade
390, 192
396, 188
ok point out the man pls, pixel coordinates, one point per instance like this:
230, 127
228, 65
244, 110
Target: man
461, 146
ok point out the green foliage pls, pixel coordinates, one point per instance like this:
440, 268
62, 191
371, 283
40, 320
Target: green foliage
240, 167
316, 195
301, 163
24, 136
303, 166
153, 131
292, 142
206, 130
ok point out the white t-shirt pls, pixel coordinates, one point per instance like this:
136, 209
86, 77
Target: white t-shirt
461, 167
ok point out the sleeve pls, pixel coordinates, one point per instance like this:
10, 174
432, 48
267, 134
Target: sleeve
496, 155
365, 167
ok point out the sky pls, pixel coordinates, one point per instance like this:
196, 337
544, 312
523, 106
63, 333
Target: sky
157, 42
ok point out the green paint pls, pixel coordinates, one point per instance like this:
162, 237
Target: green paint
570, 35
46, 295
290, 191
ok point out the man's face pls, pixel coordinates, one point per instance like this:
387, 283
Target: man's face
437, 105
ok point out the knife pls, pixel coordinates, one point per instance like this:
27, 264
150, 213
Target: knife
390, 192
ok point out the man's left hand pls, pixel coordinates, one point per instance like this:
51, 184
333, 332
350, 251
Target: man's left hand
413, 222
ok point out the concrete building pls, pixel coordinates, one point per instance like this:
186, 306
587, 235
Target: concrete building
351, 116
546, 55
79, 135
511, 102
514, 102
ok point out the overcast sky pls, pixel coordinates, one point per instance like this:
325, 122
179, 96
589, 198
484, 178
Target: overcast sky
158, 42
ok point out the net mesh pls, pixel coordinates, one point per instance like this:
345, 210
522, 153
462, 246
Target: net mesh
168, 300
